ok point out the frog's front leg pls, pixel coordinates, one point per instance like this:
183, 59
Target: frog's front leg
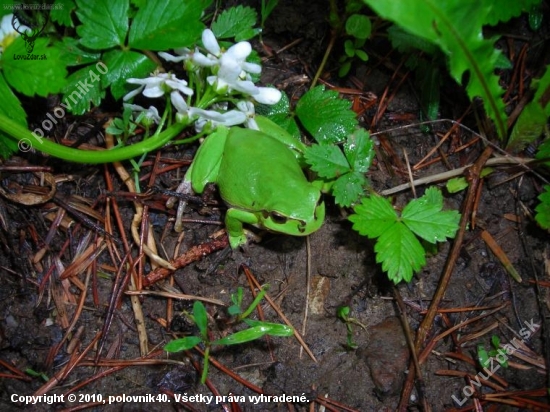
234, 220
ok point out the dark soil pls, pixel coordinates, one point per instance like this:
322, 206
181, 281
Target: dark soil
35, 317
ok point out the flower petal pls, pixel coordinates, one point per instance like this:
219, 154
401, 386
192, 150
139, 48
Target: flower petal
239, 51
267, 95
210, 42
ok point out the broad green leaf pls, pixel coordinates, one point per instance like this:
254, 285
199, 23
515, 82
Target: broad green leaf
42, 76
243, 336
327, 160
348, 188
400, 253
275, 329
61, 13
162, 25
234, 21
177, 345
7, 9
457, 184
201, 318
10, 105
359, 150
325, 115
73, 55
456, 26
280, 114
426, 219
373, 217
532, 120
504, 10
83, 88
104, 23
359, 26
122, 66
543, 209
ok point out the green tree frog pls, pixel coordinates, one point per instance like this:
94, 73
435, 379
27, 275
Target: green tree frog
259, 177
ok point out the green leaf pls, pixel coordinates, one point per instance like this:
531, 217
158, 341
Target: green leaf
349, 49
177, 345
73, 55
280, 114
456, 26
43, 76
243, 336
359, 26
275, 329
61, 14
10, 105
326, 116
104, 23
122, 66
162, 25
532, 120
362, 55
359, 150
234, 21
543, 209
373, 217
400, 253
406, 42
504, 10
426, 219
348, 188
83, 88
344, 68
201, 318
327, 160
428, 82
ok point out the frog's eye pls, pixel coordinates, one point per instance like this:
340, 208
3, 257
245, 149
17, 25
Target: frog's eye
278, 218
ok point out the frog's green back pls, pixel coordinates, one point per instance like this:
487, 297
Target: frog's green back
258, 173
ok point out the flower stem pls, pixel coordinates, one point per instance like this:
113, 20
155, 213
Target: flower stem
21, 133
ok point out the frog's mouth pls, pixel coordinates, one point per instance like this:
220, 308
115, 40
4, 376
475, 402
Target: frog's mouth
296, 227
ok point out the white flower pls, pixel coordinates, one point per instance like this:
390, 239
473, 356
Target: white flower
157, 85
248, 109
214, 118
183, 54
7, 32
151, 114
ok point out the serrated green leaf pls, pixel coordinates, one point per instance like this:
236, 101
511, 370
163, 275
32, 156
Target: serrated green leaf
243, 336
83, 88
456, 26
426, 219
457, 184
177, 345
162, 25
327, 160
400, 253
280, 114
373, 217
359, 26
41, 76
61, 13
407, 42
73, 55
543, 209
359, 150
8, 146
544, 152
504, 10
348, 188
10, 105
104, 23
326, 116
234, 21
275, 329
200, 316
532, 120
122, 66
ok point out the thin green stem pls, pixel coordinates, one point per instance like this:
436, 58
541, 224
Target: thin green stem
25, 137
